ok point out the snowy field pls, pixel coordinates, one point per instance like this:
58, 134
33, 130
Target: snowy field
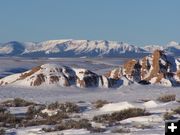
131, 93
125, 97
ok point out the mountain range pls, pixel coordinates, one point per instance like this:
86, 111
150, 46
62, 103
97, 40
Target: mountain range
157, 68
82, 48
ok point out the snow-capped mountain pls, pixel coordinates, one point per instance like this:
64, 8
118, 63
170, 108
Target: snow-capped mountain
172, 48
157, 68
70, 48
82, 48
12, 48
152, 48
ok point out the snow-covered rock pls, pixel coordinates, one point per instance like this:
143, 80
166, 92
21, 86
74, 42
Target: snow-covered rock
56, 75
45, 74
158, 68
86, 78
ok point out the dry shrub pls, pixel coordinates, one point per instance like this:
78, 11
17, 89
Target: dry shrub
97, 130
121, 115
8, 119
67, 107
167, 98
70, 124
34, 115
83, 123
45, 119
177, 110
17, 102
53, 106
48, 129
142, 126
100, 103
168, 116
121, 130
2, 131
2, 109
34, 122
57, 118
34, 111
178, 100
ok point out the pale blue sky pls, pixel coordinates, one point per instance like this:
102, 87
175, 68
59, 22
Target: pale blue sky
137, 22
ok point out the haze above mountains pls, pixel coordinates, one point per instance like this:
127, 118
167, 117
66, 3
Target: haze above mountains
82, 48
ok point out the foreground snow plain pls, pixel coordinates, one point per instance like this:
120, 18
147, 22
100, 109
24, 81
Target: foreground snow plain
135, 95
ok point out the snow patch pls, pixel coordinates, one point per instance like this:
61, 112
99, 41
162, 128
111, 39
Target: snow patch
116, 107
144, 119
150, 104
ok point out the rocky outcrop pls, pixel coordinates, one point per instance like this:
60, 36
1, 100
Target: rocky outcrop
53, 74
86, 78
46, 74
157, 68
115, 73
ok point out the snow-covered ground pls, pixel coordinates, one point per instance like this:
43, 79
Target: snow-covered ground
132, 93
132, 96
123, 98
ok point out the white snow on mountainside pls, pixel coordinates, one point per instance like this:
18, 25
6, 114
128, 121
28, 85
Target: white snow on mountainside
53, 74
152, 48
68, 48
81, 48
172, 48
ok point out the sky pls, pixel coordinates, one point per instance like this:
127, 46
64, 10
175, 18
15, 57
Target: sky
138, 22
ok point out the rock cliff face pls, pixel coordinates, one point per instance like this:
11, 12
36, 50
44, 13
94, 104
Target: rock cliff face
156, 68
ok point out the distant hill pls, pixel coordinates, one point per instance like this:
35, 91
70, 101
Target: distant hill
172, 48
71, 48
82, 48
